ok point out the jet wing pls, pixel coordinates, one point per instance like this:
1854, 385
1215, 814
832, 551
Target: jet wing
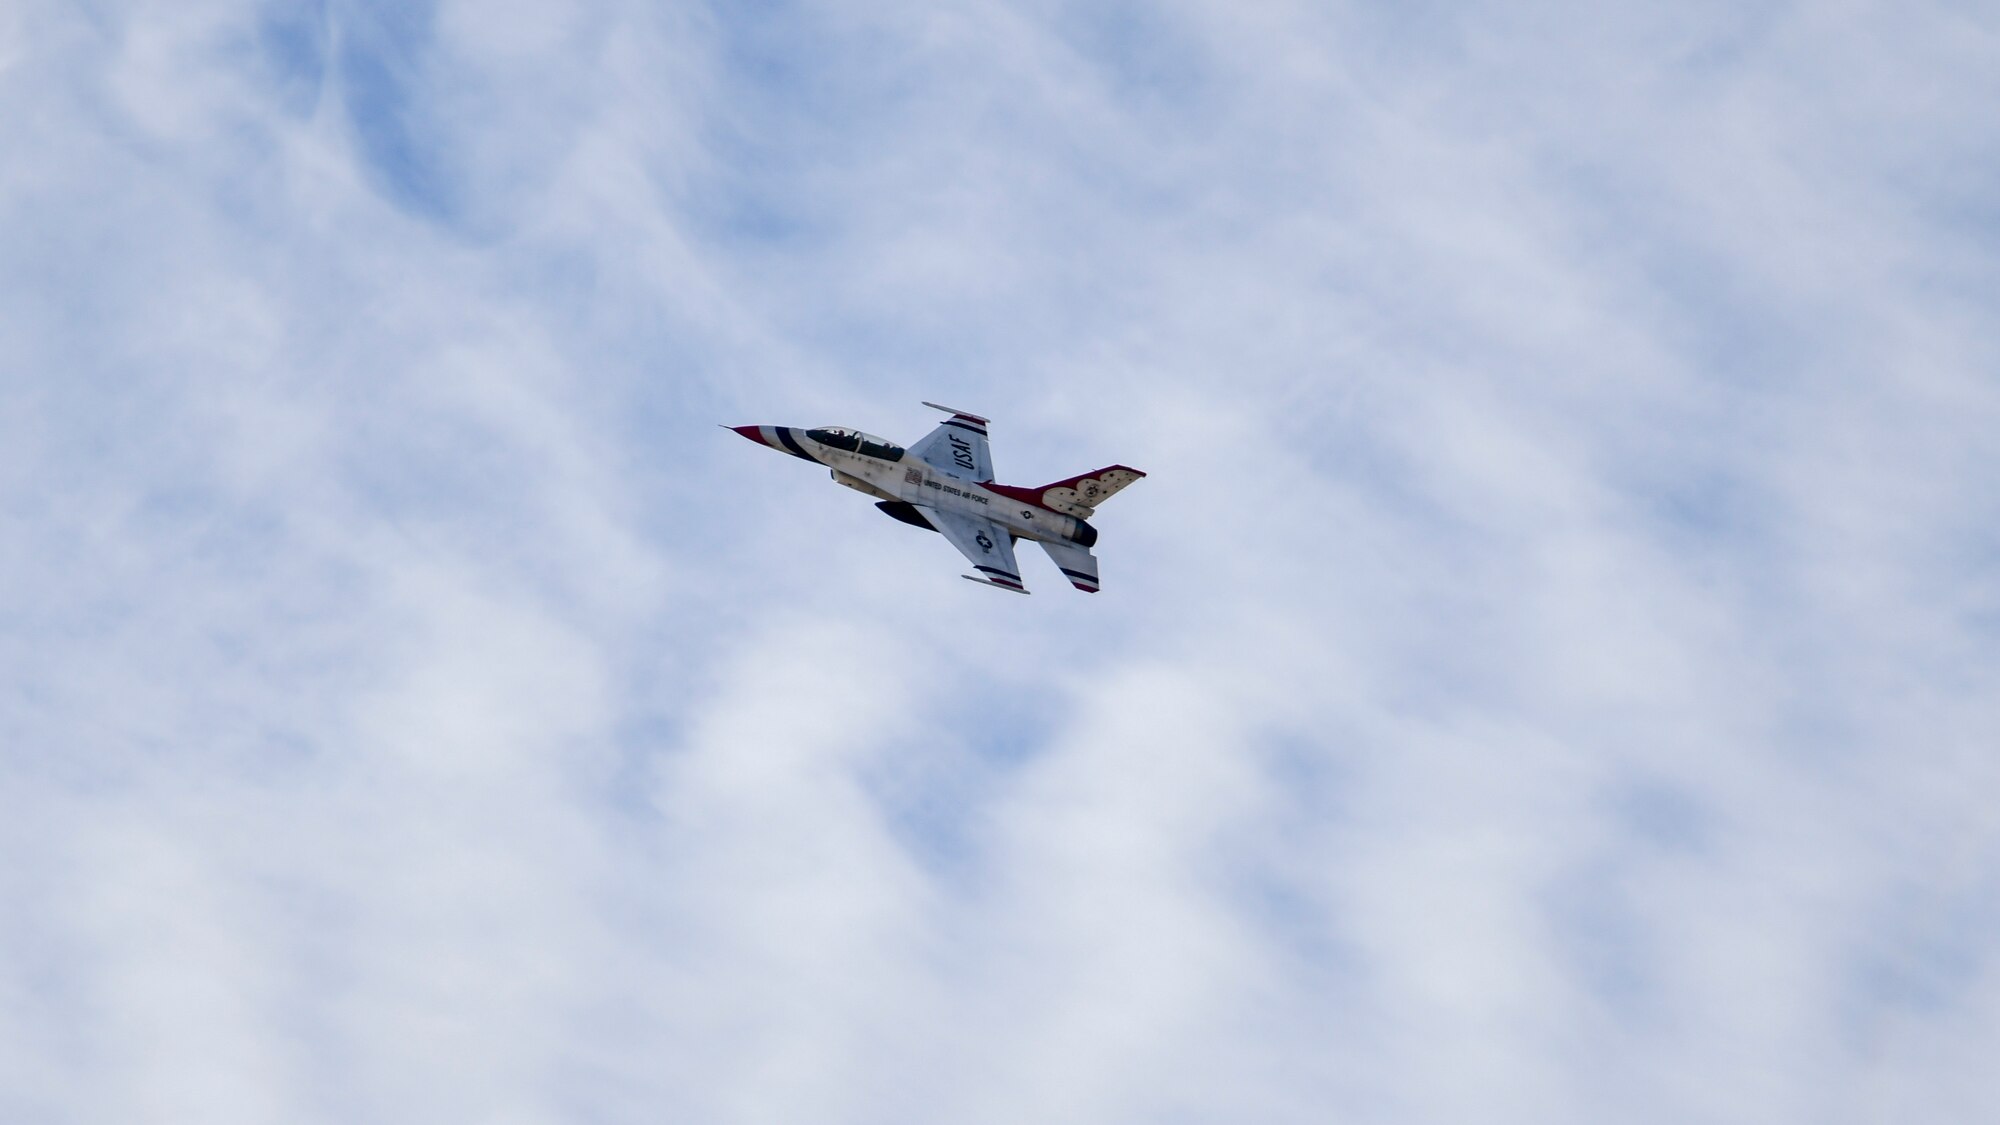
989, 547
958, 446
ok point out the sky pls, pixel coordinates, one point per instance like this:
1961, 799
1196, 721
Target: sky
1550, 673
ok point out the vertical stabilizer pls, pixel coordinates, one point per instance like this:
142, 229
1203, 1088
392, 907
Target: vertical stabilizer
1080, 495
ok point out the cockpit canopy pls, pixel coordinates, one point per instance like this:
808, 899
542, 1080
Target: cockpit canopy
854, 441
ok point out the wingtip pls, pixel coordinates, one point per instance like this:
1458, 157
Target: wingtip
1012, 589
957, 413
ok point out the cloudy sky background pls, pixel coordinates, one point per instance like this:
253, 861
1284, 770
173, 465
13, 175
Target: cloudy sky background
1551, 673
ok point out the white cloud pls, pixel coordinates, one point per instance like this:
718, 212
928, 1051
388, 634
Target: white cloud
1547, 675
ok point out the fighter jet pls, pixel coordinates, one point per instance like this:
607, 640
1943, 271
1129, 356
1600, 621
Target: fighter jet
944, 483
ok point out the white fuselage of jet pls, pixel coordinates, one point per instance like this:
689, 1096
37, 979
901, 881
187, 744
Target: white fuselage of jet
945, 484
914, 482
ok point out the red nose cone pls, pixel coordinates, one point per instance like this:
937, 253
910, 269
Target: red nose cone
750, 432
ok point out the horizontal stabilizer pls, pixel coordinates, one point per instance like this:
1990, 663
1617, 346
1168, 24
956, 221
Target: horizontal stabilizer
1077, 564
